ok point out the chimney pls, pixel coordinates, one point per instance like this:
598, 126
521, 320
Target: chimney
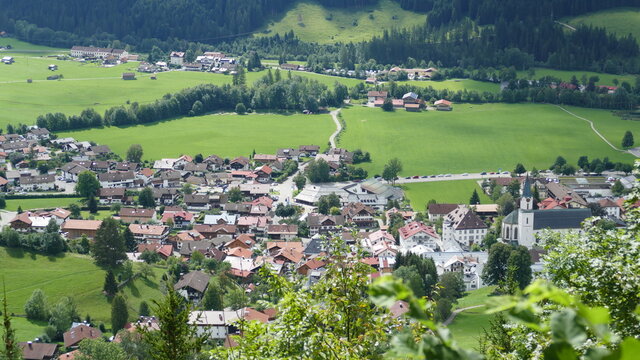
30, 344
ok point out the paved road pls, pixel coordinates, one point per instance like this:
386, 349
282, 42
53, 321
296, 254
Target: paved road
332, 138
458, 311
448, 177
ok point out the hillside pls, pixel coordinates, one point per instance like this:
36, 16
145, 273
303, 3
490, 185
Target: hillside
312, 22
621, 21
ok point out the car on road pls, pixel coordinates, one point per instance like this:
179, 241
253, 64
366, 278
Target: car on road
492, 173
483, 173
465, 174
425, 176
416, 176
505, 173
448, 175
432, 176
408, 177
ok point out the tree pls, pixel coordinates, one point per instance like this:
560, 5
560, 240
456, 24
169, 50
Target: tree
519, 267
187, 189
391, 170
235, 195
144, 309
10, 349
119, 313
411, 277
108, 248
146, 199
317, 171
475, 198
520, 169
3, 202
134, 153
177, 338
87, 185
110, 284
387, 105
62, 315
241, 109
583, 163
326, 202
100, 349
75, 210
300, 180
92, 205
506, 204
451, 285
617, 188
36, 306
130, 242
495, 270
212, 298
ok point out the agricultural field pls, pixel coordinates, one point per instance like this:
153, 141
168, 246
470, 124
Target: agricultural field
18, 47
451, 192
611, 126
457, 85
227, 135
621, 21
66, 275
475, 138
312, 22
565, 75
43, 203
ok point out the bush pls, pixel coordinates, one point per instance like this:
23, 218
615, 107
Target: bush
241, 109
36, 306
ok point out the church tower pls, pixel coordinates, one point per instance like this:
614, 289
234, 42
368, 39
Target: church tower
524, 234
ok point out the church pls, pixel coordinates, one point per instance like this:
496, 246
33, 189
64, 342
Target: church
522, 225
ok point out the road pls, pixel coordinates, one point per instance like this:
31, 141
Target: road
448, 177
595, 130
332, 138
456, 312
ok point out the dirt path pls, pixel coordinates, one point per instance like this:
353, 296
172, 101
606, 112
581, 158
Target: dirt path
458, 311
332, 138
566, 25
594, 130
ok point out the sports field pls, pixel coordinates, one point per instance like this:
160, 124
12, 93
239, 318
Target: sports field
312, 22
621, 21
450, 192
68, 275
475, 138
227, 135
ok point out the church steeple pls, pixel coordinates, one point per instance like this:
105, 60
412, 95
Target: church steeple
526, 201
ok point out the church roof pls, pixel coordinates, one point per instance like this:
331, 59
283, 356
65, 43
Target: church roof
559, 218
512, 218
526, 191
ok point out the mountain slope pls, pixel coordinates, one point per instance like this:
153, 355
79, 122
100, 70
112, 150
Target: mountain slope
621, 21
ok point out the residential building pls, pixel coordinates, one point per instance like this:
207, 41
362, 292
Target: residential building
416, 233
360, 214
76, 334
323, 224
74, 229
192, 285
464, 226
118, 179
111, 195
37, 350
139, 215
176, 58
149, 233
282, 232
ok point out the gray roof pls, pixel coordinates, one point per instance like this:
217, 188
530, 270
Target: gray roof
196, 280
559, 218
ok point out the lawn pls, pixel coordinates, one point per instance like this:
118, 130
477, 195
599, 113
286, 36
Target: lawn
312, 22
44, 203
621, 21
449, 192
457, 85
67, 275
19, 47
611, 126
475, 297
473, 138
227, 135
468, 326
565, 75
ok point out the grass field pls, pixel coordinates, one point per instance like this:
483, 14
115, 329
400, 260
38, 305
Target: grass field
565, 75
475, 138
450, 192
18, 47
457, 84
475, 297
611, 126
45, 203
621, 21
468, 326
227, 135
69, 275
314, 23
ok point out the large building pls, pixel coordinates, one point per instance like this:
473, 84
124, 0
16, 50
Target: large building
464, 226
95, 52
522, 225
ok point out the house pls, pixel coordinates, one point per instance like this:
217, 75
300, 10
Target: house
469, 263
149, 233
165, 251
128, 76
38, 183
264, 174
76, 334
111, 195
289, 67
70, 171
118, 179
213, 231
377, 95
282, 232
38, 134
522, 225
220, 324
176, 58
192, 285
132, 215
438, 211
410, 98
37, 351
412, 107
416, 233
309, 150
443, 105
255, 190
223, 218
360, 214
610, 207
464, 226
239, 163
195, 169
165, 196
288, 154
214, 162
180, 219
100, 149
29, 221
569, 196
196, 202
74, 229
323, 224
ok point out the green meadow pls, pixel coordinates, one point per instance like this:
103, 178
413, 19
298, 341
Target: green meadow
565, 75
227, 135
468, 326
41, 203
70, 275
621, 21
448, 192
312, 22
476, 138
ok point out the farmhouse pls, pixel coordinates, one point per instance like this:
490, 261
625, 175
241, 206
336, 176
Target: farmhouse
76, 228
37, 350
289, 67
377, 95
176, 58
192, 285
443, 105
128, 76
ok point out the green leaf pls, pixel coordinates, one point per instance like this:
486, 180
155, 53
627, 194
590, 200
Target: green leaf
560, 351
594, 315
630, 349
565, 327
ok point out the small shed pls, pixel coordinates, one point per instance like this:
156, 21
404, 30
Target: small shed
128, 76
443, 105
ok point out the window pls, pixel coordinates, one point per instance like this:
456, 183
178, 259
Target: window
515, 234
